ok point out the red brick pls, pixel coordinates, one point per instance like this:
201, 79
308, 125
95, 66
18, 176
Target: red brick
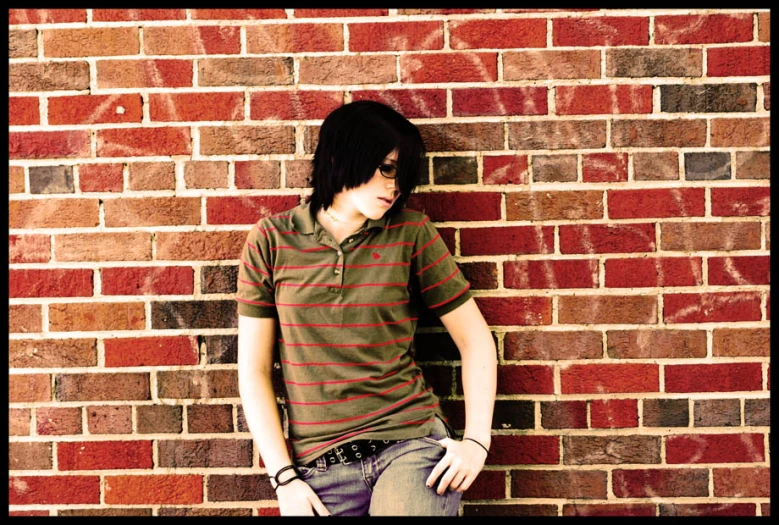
604, 309
29, 248
715, 448
525, 379
58, 421
611, 99
501, 34
556, 345
711, 307
294, 105
652, 483
509, 311
104, 455
90, 109
338, 13
507, 240
457, 206
671, 202
550, 273
654, 271
24, 318
609, 379
573, 484
91, 41
95, 316
248, 209
742, 482
614, 413
499, 101
655, 343
46, 16
157, 489
169, 73
580, 509
448, 67
175, 107
600, 31
49, 144
50, 283
396, 36
24, 388
151, 351
168, 280
192, 40
739, 202
707, 509
101, 177
703, 29
237, 14
524, 450
605, 167
742, 61
724, 377
411, 103
131, 15
505, 169
53, 490
139, 142
490, 484
739, 270
23, 111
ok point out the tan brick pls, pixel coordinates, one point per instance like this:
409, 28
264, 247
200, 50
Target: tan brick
656, 165
29, 456
557, 134
696, 236
736, 342
553, 345
551, 64
58, 421
152, 176
110, 419
753, 165
593, 309
150, 211
200, 246
245, 71
23, 43
15, 179
246, 140
93, 316
746, 132
53, 213
125, 246
48, 76
348, 69
550, 205
29, 387
206, 174
89, 42
52, 353
24, 318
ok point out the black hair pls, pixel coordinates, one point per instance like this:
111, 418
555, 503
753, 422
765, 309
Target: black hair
354, 140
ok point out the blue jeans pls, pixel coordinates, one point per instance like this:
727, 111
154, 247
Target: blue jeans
388, 483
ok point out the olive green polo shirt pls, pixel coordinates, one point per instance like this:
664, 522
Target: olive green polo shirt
346, 315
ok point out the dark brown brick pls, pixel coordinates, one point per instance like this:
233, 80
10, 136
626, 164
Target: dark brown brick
717, 413
194, 314
564, 414
626, 344
707, 509
610, 450
554, 168
580, 484
553, 345
218, 279
663, 165
245, 71
249, 487
206, 419
757, 412
51, 179
708, 98
454, 170
198, 384
48, 76
555, 134
668, 62
753, 164
477, 136
666, 413
481, 275
177, 511
110, 419
29, 456
652, 483
126, 511
710, 165
509, 510
159, 419
205, 453
513, 414
220, 348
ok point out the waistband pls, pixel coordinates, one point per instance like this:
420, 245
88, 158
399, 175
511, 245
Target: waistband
353, 451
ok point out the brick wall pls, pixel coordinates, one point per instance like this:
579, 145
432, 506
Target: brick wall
602, 178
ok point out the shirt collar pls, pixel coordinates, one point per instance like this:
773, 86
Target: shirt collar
303, 220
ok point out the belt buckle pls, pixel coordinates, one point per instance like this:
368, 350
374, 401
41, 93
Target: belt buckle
341, 457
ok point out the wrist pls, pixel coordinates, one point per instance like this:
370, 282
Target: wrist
284, 476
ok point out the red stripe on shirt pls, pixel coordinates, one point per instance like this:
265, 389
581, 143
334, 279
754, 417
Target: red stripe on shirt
302, 250
306, 266
249, 283
404, 400
439, 283
433, 263
363, 363
428, 243
333, 305
452, 298
323, 445
255, 268
407, 222
361, 396
346, 345
401, 243
326, 285
247, 301
358, 380
351, 324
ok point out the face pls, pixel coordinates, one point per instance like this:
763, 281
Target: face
376, 196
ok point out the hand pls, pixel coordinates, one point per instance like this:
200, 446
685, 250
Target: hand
463, 462
297, 498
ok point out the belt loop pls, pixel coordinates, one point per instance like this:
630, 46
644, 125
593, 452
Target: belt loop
321, 463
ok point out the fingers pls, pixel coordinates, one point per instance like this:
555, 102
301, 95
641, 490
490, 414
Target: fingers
440, 467
318, 506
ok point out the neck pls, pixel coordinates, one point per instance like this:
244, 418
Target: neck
344, 215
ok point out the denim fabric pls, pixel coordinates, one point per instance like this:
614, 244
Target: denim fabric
389, 483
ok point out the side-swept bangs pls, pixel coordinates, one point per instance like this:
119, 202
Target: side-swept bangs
353, 140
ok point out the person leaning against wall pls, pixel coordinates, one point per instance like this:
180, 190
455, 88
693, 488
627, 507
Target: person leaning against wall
337, 283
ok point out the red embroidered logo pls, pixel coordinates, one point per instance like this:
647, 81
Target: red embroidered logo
376, 256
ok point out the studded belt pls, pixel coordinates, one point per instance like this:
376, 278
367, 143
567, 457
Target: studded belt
354, 451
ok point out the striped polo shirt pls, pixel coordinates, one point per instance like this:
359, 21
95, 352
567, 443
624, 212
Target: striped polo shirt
346, 320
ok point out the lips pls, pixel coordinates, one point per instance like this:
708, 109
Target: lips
388, 201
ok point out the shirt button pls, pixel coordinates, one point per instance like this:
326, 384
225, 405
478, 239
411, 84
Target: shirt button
340, 254
337, 271
351, 239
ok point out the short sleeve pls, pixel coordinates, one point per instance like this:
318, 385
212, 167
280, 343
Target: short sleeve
442, 285
255, 292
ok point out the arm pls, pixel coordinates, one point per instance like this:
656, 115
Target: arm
465, 459
256, 338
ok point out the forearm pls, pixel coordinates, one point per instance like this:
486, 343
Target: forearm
262, 416
479, 376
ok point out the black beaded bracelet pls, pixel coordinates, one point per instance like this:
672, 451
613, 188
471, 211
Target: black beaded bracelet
482, 446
